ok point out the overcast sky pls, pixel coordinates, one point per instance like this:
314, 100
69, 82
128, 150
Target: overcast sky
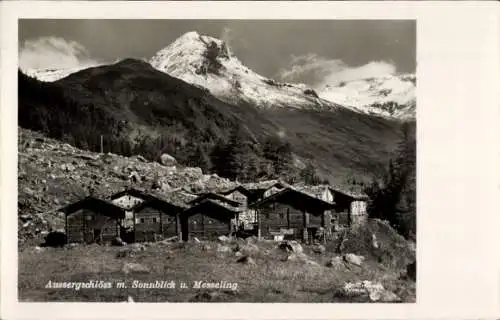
295, 50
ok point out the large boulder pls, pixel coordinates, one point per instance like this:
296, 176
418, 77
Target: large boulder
130, 267
318, 248
291, 246
167, 160
118, 242
55, 239
247, 248
354, 259
374, 292
246, 260
223, 249
223, 238
336, 263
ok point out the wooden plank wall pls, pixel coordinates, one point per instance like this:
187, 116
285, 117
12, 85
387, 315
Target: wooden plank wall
204, 227
82, 223
152, 224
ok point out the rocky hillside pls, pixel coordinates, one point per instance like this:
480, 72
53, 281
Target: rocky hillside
53, 174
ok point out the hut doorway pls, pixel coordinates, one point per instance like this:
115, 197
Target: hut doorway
97, 235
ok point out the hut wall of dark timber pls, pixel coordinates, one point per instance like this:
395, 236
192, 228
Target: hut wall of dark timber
291, 214
280, 218
92, 220
350, 211
207, 221
87, 226
156, 220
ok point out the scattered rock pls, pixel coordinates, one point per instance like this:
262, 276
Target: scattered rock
375, 243
167, 160
375, 292
118, 242
130, 267
55, 239
67, 167
318, 248
354, 259
336, 263
37, 249
312, 263
248, 248
137, 247
124, 253
134, 177
291, 246
223, 238
246, 260
205, 296
223, 249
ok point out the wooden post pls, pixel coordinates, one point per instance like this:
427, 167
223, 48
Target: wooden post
288, 217
161, 223
259, 234
306, 226
178, 227
102, 145
66, 227
133, 224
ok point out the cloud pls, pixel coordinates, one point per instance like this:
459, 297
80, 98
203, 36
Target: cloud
54, 52
319, 71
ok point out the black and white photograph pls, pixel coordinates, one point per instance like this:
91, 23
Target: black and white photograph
217, 161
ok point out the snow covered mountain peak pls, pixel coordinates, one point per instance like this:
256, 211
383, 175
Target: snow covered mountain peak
391, 95
209, 62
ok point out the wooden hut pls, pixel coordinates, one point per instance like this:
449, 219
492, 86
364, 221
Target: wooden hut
150, 216
208, 218
292, 214
350, 207
92, 220
156, 219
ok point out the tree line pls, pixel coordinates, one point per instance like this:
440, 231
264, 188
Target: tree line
393, 195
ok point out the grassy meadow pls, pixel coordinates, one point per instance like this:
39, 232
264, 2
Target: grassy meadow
272, 275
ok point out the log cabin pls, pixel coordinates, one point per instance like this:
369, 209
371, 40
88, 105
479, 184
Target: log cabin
151, 216
350, 208
247, 216
92, 220
156, 219
207, 219
292, 214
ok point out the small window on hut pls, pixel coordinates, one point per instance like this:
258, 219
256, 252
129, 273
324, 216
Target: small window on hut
142, 220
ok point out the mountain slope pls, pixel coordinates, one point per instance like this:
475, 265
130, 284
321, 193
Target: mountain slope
140, 110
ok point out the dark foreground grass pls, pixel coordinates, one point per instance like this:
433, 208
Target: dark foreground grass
269, 280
